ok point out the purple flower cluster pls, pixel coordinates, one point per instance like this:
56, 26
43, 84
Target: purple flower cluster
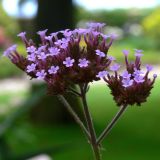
133, 86
62, 60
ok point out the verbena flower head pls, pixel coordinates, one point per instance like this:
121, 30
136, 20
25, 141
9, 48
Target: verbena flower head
132, 86
66, 57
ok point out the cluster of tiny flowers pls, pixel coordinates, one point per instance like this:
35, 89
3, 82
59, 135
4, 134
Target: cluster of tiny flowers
133, 85
61, 60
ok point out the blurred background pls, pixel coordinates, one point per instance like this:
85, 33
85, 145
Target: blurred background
34, 126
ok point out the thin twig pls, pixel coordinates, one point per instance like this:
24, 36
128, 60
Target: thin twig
74, 115
111, 124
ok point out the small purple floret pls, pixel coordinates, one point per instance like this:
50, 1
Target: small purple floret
31, 57
41, 49
113, 36
54, 34
111, 58
95, 25
95, 33
105, 36
125, 52
138, 53
99, 53
31, 49
115, 67
41, 74
31, 68
42, 56
83, 63
22, 34
58, 42
137, 72
68, 62
49, 38
102, 74
54, 51
42, 33
126, 75
67, 33
10, 50
139, 79
64, 45
80, 31
53, 69
154, 75
127, 82
63, 41
138, 50
149, 67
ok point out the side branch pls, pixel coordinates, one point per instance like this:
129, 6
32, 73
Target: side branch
74, 115
111, 124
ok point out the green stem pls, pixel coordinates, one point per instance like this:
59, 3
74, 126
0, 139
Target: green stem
74, 115
90, 126
111, 124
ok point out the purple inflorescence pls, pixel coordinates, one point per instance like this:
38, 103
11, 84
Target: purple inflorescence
65, 57
80, 56
132, 86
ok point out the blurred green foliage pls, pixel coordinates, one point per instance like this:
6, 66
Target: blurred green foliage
8, 69
11, 28
152, 26
117, 17
9, 24
151, 56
